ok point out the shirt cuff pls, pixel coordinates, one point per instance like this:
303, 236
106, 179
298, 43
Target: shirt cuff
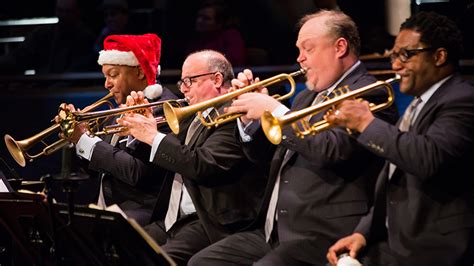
85, 146
156, 142
280, 111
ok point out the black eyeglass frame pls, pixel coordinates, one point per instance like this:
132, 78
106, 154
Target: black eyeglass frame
188, 81
404, 54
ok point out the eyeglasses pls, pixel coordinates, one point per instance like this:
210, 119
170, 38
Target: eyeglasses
405, 54
188, 81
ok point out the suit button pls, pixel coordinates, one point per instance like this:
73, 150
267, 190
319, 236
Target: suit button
392, 202
285, 182
283, 137
283, 212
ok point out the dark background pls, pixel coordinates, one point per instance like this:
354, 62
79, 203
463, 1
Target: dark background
27, 104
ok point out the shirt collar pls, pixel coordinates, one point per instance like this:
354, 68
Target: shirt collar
428, 93
350, 70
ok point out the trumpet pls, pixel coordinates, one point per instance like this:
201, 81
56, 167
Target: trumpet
18, 148
272, 126
73, 118
175, 115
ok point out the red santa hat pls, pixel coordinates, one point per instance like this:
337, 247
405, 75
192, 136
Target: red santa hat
135, 50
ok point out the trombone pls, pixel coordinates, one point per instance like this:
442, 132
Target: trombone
73, 118
175, 115
18, 148
272, 126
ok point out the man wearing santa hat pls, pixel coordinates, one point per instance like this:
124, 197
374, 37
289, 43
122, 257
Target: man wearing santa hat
129, 63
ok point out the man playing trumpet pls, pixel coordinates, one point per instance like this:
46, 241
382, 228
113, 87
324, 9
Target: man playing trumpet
129, 63
216, 191
319, 186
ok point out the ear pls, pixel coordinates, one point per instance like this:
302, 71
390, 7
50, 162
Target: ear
219, 79
140, 73
341, 47
440, 56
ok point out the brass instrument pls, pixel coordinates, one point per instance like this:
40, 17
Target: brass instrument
272, 126
175, 115
77, 117
18, 148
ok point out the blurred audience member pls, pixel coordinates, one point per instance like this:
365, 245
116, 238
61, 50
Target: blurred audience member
214, 30
62, 47
116, 21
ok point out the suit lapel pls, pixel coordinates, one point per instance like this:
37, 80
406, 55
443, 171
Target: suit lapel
433, 101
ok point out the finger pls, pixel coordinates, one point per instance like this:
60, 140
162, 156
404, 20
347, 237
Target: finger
129, 101
236, 109
237, 84
249, 75
134, 95
331, 256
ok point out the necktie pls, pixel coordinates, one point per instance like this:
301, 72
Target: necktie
404, 126
177, 187
409, 115
101, 200
270, 218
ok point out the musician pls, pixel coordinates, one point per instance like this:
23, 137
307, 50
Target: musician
319, 186
221, 187
129, 63
423, 212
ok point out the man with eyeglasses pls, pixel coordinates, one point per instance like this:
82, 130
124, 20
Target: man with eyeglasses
217, 189
320, 185
423, 212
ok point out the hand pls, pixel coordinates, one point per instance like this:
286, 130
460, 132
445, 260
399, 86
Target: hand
353, 243
64, 119
253, 105
138, 98
352, 114
245, 79
142, 127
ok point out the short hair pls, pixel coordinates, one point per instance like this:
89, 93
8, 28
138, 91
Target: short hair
339, 25
437, 31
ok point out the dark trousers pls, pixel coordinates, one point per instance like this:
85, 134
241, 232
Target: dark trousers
183, 240
247, 248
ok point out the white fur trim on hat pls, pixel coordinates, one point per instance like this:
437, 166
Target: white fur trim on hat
153, 91
116, 57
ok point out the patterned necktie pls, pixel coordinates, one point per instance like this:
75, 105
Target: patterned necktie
404, 126
409, 115
271, 213
177, 187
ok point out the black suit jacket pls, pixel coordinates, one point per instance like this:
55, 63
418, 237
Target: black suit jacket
130, 180
326, 181
429, 200
225, 187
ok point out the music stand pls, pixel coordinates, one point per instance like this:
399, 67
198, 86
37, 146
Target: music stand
109, 237
25, 223
44, 236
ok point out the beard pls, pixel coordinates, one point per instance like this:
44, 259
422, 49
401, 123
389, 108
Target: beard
310, 86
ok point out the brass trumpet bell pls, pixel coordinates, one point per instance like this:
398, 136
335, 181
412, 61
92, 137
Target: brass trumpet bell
272, 126
175, 115
19, 148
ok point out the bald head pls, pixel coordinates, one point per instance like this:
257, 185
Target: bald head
212, 61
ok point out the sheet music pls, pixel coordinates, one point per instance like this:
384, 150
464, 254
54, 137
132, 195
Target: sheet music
3, 187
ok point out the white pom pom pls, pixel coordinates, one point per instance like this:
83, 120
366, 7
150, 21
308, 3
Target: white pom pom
346, 260
153, 91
